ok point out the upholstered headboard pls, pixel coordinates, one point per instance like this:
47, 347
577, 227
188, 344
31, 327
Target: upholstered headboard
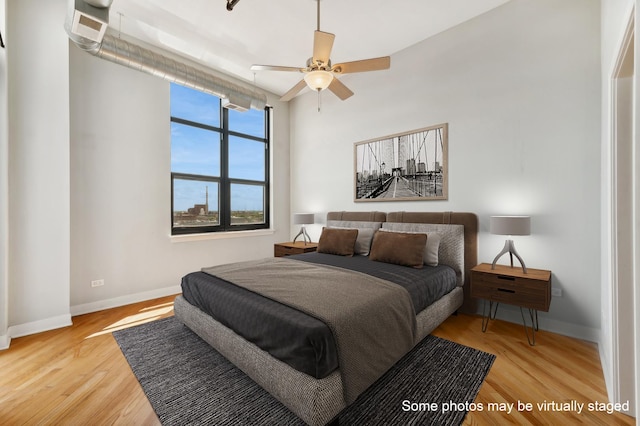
468, 220
362, 216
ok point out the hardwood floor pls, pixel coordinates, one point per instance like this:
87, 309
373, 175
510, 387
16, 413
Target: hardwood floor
558, 369
77, 375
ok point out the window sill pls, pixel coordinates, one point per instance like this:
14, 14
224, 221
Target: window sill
220, 235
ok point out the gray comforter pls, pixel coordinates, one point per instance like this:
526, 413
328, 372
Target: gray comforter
372, 320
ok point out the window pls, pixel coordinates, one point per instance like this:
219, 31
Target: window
219, 165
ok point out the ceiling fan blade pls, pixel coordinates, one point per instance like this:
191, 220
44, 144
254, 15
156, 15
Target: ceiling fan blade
339, 89
374, 64
275, 68
293, 91
322, 45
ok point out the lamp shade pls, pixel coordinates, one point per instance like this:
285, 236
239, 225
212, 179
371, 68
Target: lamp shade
510, 225
303, 218
318, 79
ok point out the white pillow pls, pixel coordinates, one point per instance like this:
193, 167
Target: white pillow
430, 256
365, 232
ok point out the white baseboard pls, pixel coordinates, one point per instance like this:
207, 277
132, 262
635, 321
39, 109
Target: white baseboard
100, 305
65, 320
39, 326
5, 341
507, 313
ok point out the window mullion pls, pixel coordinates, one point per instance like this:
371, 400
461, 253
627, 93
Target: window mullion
267, 162
224, 165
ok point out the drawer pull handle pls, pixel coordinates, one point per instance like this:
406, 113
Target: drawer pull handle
506, 290
506, 277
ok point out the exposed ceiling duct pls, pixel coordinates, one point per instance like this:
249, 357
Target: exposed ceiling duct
128, 54
90, 13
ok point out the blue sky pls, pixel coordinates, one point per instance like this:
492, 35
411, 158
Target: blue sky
196, 151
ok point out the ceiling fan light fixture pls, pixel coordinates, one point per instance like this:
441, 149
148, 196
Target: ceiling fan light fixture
319, 74
318, 79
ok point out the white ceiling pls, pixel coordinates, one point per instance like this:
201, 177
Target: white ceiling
280, 32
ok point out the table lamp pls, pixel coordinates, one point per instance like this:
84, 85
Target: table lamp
303, 219
510, 225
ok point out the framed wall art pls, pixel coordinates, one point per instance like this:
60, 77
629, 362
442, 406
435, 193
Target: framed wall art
403, 167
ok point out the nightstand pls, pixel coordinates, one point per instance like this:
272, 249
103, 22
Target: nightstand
299, 247
509, 285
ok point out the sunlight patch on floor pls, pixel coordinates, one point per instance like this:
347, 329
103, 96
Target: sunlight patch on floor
145, 315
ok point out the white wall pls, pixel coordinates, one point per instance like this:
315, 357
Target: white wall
89, 168
39, 192
120, 190
520, 89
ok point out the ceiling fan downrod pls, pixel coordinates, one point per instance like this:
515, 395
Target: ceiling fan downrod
319, 71
231, 3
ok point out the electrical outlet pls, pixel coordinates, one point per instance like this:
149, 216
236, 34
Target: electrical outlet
557, 292
97, 283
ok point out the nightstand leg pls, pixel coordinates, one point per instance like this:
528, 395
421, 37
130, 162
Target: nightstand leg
533, 314
495, 311
492, 313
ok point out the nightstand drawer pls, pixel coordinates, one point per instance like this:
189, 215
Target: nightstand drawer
527, 295
287, 249
503, 285
280, 250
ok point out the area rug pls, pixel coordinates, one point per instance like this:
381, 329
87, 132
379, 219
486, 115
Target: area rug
189, 383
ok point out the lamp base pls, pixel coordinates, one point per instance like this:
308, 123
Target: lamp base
305, 236
510, 248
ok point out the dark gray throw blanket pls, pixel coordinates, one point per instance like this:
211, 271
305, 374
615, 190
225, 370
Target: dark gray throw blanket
372, 320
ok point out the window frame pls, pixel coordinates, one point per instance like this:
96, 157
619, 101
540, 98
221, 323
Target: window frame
224, 181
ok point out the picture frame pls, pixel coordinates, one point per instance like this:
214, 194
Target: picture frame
409, 166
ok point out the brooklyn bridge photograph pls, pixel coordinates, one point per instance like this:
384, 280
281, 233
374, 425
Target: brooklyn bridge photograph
404, 166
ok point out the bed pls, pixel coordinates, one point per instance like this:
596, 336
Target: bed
314, 375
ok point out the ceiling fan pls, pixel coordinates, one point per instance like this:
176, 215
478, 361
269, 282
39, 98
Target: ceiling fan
320, 74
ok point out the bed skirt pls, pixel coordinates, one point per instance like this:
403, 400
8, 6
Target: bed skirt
316, 401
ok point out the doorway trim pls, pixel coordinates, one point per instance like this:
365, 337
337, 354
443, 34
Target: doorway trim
622, 252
